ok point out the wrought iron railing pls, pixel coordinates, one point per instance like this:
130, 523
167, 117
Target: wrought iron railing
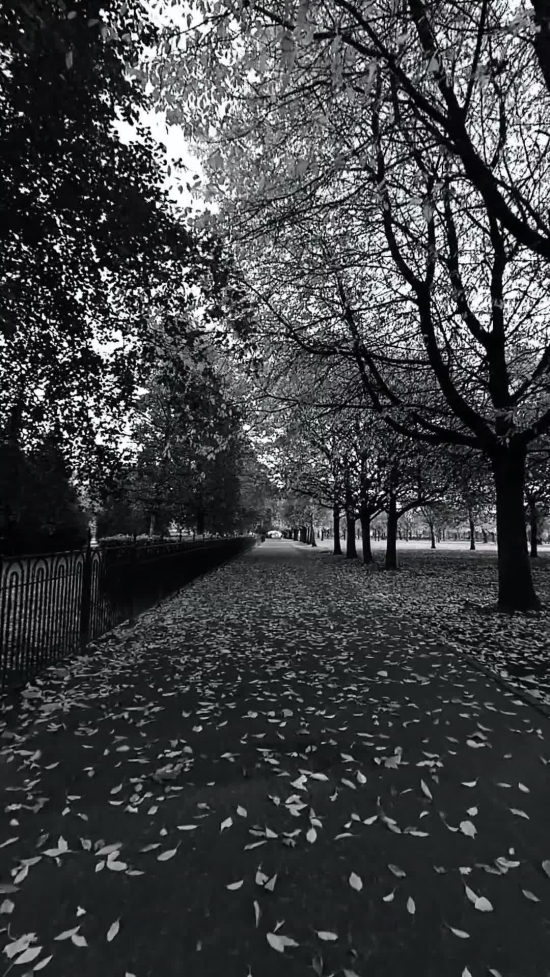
52, 605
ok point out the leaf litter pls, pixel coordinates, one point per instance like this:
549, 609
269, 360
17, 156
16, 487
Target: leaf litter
178, 759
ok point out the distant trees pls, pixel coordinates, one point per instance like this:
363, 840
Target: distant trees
40, 509
191, 459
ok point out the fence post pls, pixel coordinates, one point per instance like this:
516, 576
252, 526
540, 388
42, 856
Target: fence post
132, 585
86, 596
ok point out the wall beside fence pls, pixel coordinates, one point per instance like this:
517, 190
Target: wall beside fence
52, 605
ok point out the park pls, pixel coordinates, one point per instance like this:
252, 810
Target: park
274, 488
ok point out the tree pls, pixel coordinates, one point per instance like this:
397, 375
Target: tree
41, 510
537, 491
408, 151
87, 235
414, 479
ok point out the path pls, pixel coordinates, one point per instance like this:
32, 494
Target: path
322, 773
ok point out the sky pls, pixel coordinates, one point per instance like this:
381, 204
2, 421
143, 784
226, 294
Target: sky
170, 137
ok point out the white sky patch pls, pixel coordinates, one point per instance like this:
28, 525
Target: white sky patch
180, 164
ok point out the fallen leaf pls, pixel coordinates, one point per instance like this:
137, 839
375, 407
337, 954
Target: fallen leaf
397, 871
113, 930
530, 895
67, 934
355, 882
226, 824
483, 905
324, 935
411, 906
235, 885
461, 933
426, 790
165, 855
109, 849
43, 963
279, 942
31, 954
260, 878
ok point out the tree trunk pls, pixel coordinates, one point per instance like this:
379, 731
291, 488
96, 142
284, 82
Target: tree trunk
391, 541
365, 533
312, 540
484, 534
337, 548
515, 583
200, 523
152, 521
351, 549
533, 529
472, 531
432, 536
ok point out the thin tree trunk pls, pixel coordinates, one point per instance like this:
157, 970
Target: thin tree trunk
351, 549
391, 541
365, 533
313, 543
472, 531
337, 548
515, 583
533, 530
432, 536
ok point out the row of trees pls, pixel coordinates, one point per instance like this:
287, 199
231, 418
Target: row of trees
334, 452
382, 175
193, 464
111, 376
189, 463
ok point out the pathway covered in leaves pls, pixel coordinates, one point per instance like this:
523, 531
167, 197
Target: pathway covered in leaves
264, 777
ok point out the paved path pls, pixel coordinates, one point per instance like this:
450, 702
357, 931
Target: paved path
267, 758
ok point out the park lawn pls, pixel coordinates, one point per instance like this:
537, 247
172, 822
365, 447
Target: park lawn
455, 590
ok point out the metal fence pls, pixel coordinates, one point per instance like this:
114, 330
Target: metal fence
52, 605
